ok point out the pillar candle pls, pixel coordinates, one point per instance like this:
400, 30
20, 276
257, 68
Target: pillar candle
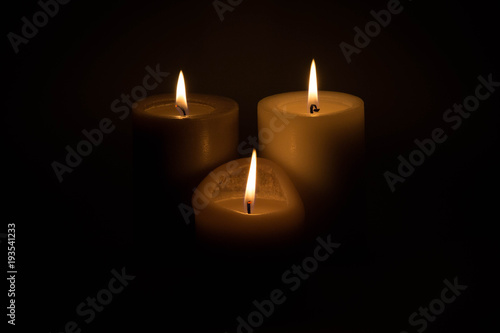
318, 139
179, 139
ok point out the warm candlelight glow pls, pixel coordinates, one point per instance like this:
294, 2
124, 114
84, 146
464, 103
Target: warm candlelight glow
181, 99
250, 190
312, 97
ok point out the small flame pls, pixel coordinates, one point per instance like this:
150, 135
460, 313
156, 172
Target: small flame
180, 98
312, 97
250, 190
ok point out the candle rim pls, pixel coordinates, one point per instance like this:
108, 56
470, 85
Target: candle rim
220, 105
323, 95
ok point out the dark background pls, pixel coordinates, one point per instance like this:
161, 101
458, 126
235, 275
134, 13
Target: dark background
441, 223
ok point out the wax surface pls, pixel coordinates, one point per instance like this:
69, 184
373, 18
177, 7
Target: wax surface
168, 110
299, 107
265, 206
319, 150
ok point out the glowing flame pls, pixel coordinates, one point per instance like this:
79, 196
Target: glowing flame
180, 98
312, 97
250, 190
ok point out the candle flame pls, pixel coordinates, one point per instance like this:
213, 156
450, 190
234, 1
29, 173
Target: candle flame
312, 97
180, 98
250, 190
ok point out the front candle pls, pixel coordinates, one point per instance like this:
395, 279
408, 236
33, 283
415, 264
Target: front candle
275, 214
318, 149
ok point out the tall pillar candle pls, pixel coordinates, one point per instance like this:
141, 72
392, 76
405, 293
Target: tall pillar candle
318, 138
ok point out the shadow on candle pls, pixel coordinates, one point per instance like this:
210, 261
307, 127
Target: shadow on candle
174, 152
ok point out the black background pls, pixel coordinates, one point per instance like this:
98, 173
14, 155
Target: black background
439, 224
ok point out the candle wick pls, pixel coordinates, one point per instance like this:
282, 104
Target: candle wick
180, 109
248, 206
313, 108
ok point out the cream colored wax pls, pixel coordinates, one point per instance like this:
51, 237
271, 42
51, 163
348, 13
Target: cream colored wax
319, 150
183, 149
221, 218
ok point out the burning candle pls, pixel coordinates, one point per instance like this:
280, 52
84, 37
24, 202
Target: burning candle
319, 142
248, 203
179, 138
